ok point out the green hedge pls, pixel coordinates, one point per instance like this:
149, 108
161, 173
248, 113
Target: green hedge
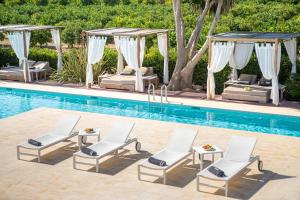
293, 88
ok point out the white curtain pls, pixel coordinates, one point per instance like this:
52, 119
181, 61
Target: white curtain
220, 54
128, 48
56, 40
120, 66
17, 42
291, 48
162, 40
240, 57
95, 53
266, 56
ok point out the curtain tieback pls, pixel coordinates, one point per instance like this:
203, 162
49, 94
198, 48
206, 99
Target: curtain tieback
210, 72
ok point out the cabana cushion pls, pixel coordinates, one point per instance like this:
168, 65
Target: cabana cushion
128, 71
247, 79
147, 71
264, 82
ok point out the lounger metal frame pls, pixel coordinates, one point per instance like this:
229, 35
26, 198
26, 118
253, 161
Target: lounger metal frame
39, 149
225, 187
97, 158
164, 176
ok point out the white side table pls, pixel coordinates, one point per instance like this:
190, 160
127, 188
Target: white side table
82, 136
201, 152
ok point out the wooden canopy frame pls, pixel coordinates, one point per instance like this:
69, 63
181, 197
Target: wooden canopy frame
24, 29
132, 32
129, 32
255, 37
28, 28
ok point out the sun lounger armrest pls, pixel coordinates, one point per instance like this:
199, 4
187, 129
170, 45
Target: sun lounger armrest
74, 133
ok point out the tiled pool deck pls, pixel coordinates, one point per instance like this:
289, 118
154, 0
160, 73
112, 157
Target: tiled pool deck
55, 178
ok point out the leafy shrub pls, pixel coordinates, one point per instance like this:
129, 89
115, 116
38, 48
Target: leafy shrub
75, 63
60, 2
8, 57
39, 2
84, 2
293, 88
14, 2
110, 2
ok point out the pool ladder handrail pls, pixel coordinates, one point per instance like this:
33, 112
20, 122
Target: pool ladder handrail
151, 87
163, 88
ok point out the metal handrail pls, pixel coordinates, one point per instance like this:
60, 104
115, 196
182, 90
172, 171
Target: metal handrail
151, 87
161, 93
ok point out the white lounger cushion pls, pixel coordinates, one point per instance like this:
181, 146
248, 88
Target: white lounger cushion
116, 137
230, 169
119, 132
65, 125
170, 157
240, 148
49, 139
182, 140
102, 148
178, 148
237, 157
62, 130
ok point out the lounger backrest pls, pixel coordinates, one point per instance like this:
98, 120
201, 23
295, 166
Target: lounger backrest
119, 132
182, 140
240, 148
65, 125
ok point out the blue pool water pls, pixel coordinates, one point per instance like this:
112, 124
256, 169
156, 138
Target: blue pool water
14, 101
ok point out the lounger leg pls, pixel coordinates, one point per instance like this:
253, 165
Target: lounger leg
165, 176
74, 162
198, 184
201, 161
139, 172
97, 165
39, 156
18, 152
193, 157
226, 188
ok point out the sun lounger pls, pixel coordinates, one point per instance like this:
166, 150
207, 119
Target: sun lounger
63, 130
178, 149
237, 158
117, 138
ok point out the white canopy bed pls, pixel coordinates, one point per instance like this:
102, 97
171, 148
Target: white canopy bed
19, 38
236, 48
130, 44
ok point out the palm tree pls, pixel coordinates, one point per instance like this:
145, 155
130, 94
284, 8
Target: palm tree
187, 54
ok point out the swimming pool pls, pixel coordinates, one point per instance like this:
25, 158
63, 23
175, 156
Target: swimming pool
14, 101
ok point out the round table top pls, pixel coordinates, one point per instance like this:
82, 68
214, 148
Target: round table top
201, 150
82, 132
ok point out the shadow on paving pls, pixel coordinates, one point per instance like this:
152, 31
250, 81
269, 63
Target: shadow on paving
244, 186
116, 164
181, 175
58, 155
